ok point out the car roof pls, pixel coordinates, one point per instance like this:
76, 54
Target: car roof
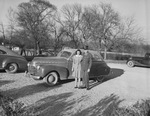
8, 51
73, 50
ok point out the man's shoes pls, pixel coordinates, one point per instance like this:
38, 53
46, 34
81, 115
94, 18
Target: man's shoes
82, 87
75, 87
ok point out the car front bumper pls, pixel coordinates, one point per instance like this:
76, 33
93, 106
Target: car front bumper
33, 73
27, 74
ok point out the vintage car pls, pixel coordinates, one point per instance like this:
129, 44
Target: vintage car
53, 69
10, 61
139, 61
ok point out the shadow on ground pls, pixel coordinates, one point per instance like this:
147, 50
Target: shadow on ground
65, 81
104, 107
28, 90
143, 66
32, 89
3, 82
2, 71
19, 71
58, 105
114, 73
53, 105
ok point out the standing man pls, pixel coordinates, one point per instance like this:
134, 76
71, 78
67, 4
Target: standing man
86, 66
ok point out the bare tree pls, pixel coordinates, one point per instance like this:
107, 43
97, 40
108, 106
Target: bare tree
87, 26
57, 34
2, 31
100, 21
72, 15
126, 33
34, 17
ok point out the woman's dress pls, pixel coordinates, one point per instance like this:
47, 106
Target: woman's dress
76, 66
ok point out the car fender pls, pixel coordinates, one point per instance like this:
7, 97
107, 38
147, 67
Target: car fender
135, 62
21, 62
99, 68
63, 72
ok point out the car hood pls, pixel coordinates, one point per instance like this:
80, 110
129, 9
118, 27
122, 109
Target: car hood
17, 56
48, 60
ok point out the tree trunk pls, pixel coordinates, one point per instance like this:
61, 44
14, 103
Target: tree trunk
38, 48
105, 53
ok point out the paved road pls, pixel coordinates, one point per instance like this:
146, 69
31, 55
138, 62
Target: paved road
124, 86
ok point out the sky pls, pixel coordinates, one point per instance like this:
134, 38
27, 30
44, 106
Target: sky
139, 9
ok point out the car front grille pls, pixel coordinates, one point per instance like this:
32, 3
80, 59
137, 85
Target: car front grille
32, 70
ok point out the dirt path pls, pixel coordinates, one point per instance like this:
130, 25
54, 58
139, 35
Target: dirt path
123, 87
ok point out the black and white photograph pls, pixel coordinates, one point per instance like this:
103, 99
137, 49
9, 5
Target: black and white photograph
74, 58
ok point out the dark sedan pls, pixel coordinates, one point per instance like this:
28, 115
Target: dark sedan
10, 61
139, 61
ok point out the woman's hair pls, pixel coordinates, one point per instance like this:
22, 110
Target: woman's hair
79, 51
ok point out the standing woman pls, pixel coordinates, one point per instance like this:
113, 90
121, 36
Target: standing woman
76, 68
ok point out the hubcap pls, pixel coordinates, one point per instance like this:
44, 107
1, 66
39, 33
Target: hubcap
51, 78
100, 79
130, 63
11, 67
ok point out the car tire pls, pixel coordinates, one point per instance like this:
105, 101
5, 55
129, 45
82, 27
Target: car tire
52, 78
100, 79
130, 64
11, 68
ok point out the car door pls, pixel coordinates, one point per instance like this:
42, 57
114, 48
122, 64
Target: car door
70, 62
99, 67
2, 57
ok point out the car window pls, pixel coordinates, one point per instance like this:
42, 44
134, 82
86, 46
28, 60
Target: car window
2, 52
97, 57
65, 54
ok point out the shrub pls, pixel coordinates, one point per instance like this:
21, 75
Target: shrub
138, 109
14, 108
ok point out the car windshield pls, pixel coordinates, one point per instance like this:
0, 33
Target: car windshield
65, 54
97, 57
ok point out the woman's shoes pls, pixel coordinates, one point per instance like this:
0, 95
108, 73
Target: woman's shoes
78, 87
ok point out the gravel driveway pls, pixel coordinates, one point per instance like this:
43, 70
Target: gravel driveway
124, 86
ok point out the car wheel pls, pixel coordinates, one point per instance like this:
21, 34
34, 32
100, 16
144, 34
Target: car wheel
52, 78
100, 79
130, 63
11, 68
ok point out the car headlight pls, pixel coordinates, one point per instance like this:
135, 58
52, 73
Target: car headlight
33, 64
38, 67
3, 64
